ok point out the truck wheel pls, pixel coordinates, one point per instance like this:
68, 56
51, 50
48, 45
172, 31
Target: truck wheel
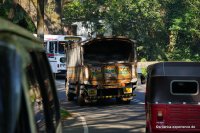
119, 100
70, 97
81, 100
127, 102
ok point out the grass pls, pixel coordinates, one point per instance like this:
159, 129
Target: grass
64, 114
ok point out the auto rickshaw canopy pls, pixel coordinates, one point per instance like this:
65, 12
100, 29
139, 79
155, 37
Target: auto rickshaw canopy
173, 82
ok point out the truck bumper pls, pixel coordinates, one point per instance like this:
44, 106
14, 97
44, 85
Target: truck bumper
124, 97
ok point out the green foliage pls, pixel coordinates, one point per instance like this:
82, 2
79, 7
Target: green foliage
20, 17
143, 60
29, 24
184, 18
164, 30
144, 72
74, 11
4, 10
50, 7
64, 114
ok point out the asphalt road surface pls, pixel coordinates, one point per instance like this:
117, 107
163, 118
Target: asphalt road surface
105, 117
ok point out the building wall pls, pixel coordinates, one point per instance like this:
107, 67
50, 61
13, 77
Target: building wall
79, 29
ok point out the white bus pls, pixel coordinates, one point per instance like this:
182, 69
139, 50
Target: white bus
55, 49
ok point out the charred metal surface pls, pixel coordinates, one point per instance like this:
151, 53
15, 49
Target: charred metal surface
107, 63
106, 51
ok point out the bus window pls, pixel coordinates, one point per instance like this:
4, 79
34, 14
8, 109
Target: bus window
45, 46
56, 48
61, 47
52, 44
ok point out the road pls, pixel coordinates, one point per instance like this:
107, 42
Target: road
105, 117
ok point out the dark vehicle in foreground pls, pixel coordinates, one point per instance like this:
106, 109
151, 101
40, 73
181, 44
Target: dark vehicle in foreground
172, 98
28, 99
101, 68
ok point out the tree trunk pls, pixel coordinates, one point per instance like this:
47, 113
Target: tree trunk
59, 14
52, 18
40, 19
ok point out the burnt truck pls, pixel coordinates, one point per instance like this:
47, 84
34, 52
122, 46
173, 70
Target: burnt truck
101, 68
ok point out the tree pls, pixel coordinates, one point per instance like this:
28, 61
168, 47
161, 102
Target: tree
40, 19
183, 24
139, 20
164, 30
52, 17
13, 11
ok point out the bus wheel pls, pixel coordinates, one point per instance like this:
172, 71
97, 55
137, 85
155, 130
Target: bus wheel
81, 100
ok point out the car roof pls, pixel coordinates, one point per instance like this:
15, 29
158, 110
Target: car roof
10, 32
174, 69
18, 38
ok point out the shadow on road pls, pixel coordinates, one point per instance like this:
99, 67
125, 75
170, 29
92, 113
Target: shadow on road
106, 116
110, 116
60, 77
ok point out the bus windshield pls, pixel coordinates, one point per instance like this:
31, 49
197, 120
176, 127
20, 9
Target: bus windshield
57, 47
55, 44
61, 47
52, 46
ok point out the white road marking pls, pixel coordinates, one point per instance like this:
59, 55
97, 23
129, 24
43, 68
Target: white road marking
85, 127
60, 82
138, 101
141, 102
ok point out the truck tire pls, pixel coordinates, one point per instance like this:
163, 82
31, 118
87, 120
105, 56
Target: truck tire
81, 100
127, 102
119, 100
70, 97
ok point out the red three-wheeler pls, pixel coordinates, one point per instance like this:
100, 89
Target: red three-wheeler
172, 98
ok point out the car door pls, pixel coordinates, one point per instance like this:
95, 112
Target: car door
47, 89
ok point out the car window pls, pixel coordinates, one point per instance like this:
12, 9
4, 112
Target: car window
48, 91
10, 87
2, 86
36, 99
23, 123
